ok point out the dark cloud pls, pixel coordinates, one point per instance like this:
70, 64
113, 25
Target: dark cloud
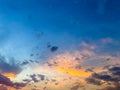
19, 85
37, 77
111, 77
34, 78
6, 81
42, 77
94, 81
107, 67
76, 86
24, 63
11, 67
27, 80
102, 76
115, 71
54, 48
96, 78
54, 63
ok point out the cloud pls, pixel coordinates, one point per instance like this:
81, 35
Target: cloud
93, 81
115, 86
9, 68
72, 66
42, 77
66, 60
7, 82
102, 76
115, 70
19, 85
76, 86
2, 87
8, 65
34, 78
88, 45
52, 48
24, 63
37, 77
110, 78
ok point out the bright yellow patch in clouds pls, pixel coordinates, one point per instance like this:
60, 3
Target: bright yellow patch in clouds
74, 72
9, 75
65, 63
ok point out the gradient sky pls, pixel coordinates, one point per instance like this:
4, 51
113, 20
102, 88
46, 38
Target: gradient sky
59, 45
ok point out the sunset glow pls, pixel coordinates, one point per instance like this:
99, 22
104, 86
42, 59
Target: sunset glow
59, 44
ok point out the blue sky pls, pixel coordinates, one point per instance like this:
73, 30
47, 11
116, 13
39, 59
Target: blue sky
21, 21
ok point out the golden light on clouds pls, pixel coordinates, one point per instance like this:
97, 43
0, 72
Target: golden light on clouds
65, 71
9, 75
74, 72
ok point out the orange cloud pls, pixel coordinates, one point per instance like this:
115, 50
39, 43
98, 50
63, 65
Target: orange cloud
65, 68
3, 87
11, 88
67, 60
9, 75
74, 72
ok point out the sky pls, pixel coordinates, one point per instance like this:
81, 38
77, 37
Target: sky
59, 45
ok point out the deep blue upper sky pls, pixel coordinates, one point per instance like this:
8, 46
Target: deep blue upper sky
63, 23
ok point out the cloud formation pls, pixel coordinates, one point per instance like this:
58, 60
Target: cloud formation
110, 78
9, 65
6, 81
